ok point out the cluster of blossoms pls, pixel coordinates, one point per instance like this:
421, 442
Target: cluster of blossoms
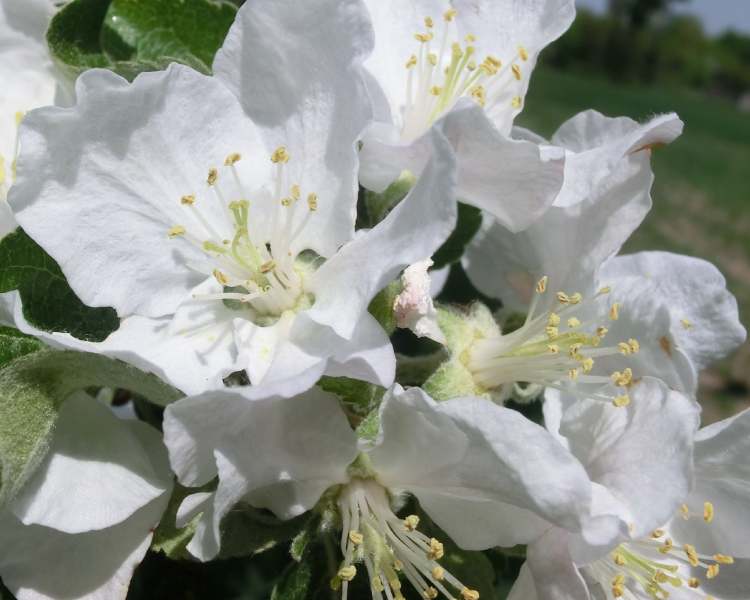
216, 214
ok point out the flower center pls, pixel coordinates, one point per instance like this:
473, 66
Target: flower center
557, 349
389, 546
252, 259
440, 73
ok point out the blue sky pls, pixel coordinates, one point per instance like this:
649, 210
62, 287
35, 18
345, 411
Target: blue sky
717, 15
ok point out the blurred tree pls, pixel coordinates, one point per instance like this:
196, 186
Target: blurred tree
638, 14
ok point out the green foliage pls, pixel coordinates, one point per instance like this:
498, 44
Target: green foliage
48, 302
14, 344
169, 539
32, 388
468, 223
381, 306
359, 397
309, 578
132, 36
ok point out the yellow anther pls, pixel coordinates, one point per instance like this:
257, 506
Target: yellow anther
634, 345
552, 332
347, 573
708, 512
724, 559
471, 65
522, 54
213, 175
614, 311
563, 298
618, 559
712, 571
430, 593
541, 285
188, 200
621, 401
395, 583
553, 348
377, 584
601, 332
618, 585
693, 582
433, 58
685, 511
286, 201
268, 266
456, 51
553, 319
468, 594
429, 23
660, 577
411, 522
436, 90
449, 15
624, 348
412, 62
605, 290
438, 573
436, 550
423, 37
576, 298
657, 533
232, 159
356, 537
667, 546
624, 378
573, 350
176, 231
573, 323
516, 102
686, 324
516, 72
691, 554
312, 202
397, 565
490, 65
587, 364
220, 277
470, 38
478, 93
294, 192
573, 374
280, 155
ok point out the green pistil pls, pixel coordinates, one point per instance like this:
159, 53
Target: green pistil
564, 341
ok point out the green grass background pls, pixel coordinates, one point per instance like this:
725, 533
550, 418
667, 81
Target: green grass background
701, 195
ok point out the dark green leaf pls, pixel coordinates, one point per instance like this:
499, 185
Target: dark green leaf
381, 306
48, 301
468, 223
14, 344
360, 397
189, 32
73, 35
310, 578
33, 387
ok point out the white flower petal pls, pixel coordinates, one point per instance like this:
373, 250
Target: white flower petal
37, 563
523, 588
113, 169
96, 473
469, 456
705, 323
413, 306
192, 506
317, 113
262, 350
555, 575
619, 449
344, 285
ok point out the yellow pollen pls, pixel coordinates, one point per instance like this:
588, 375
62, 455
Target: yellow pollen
213, 175
280, 155
553, 320
587, 364
686, 324
188, 200
691, 554
573, 374
563, 298
438, 573
657, 533
412, 62
552, 332
605, 290
576, 298
175, 231
294, 192
618, 559
573, 350
635, 347
573, 323
430, 593
624, 378
491, 65
220, 277
553, 348
516, 102
478, 93
614, 311
516, 72
347, 573
436, 90
312, 202
624, 348
708, 512
666, 547
524, 56
693, 582
356, 537
286, 201
618, 585
601, 332
621, 401
433, 58
470, 38
428, 22
423, 37
449, 15
468, 594
541, 285
232, 158
436, 550
395, 583
685, 511
377, 584
724, 559
411, 522
712, 571
398, 565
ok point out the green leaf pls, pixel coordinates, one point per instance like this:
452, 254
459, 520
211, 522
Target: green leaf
14, 344
189, 32
73, 35
33, 387
168, 538
381, 306
310, 578
359, 397
48, 301
375, 207
246, 530
468, 223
